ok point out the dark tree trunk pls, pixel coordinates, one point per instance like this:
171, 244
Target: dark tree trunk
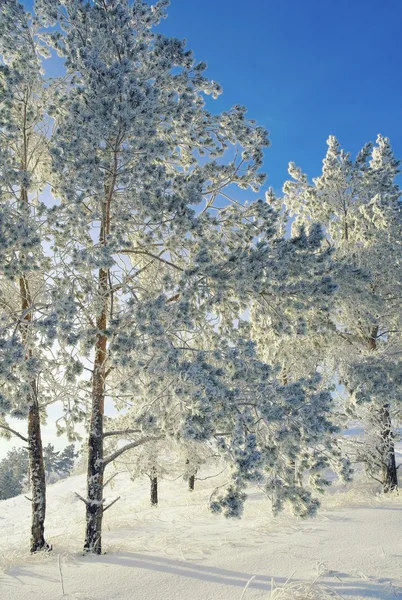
191, 479
298, 477
96, 467
154, 488
37, 478
37, 475
389, 473
191, 483
94, 502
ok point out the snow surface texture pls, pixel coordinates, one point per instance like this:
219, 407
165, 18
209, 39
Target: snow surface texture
179, 551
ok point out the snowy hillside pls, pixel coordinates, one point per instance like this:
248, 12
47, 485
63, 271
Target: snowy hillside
179, 551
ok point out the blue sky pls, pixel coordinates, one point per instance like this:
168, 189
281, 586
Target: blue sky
305, 70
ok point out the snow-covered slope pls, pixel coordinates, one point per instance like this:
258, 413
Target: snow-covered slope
179, 551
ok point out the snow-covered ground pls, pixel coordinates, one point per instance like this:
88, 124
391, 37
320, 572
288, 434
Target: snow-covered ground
179, 551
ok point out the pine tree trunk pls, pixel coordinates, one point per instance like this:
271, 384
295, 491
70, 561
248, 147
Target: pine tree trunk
389, 473
95, 472
94, 503
191, 479
191, 483
94, 506
154, 488
298, 477
37, 476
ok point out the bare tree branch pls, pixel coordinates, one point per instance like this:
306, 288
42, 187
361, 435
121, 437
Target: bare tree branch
24, 439
81, 498
153, 256
110, 479
111, 504
135, 444
121, 432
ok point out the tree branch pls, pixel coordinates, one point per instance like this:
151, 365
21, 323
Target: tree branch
110, 479
121, 451
153, 256
81, 498
24, 439
111, 504
121, 432
173, 298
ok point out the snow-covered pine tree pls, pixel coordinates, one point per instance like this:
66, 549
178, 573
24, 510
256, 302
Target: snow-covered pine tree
50, 458
66, 460
58, 464
291, 328
25, 325
196, 456
128, 127
357, 202
160, 261
292, 320
152, 460
10, 486
266, 426
13, 473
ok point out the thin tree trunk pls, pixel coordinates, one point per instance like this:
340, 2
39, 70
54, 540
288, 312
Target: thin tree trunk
191, 483
191, 479
382, 417
298, 477
154, 487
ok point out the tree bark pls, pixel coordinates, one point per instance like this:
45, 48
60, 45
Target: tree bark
35, 452
191, 479
37, 478
154, 487
389, 473
191, 483
298, 477
96, 466
95, 471
37, 475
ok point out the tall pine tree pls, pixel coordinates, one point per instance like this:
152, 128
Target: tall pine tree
26, 328
358, 204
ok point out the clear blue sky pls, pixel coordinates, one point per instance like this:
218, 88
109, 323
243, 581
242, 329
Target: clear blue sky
305, 69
